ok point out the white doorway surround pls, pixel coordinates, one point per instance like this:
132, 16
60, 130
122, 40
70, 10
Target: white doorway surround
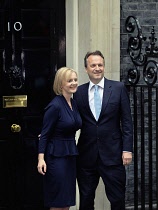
93, 25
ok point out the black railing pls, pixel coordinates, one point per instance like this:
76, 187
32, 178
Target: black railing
141, 57
144, 106
143, 90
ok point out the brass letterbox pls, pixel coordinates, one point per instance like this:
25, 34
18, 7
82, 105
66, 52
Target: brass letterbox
14, 101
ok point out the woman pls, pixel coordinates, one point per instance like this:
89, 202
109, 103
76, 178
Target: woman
57, 146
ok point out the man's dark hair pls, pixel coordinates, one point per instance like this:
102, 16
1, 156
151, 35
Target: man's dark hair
97, 52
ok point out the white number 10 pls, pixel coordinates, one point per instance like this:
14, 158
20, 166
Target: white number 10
17, 26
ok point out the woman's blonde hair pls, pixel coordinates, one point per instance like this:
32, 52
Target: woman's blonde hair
63, 74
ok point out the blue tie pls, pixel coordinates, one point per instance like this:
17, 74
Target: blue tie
97, 102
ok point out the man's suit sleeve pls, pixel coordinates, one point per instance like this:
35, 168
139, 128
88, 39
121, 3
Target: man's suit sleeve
126, 121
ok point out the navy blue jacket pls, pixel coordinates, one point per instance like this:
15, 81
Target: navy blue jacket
60, 124
112, 133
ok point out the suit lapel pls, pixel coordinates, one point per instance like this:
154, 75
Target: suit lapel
106, 95
85, 98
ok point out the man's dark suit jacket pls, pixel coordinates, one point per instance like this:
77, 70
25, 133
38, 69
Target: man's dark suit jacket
113, 133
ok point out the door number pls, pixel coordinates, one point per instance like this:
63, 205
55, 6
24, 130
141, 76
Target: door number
17, 26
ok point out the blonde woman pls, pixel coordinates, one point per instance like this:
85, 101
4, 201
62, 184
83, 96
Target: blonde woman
57, 146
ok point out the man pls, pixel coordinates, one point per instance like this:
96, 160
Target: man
105, 144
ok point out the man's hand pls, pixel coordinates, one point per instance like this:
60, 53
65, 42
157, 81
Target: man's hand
127, 158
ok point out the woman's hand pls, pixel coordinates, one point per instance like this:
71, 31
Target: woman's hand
42, 167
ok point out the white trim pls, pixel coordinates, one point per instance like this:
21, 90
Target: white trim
72, 33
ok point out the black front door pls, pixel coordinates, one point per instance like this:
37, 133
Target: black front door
32, 48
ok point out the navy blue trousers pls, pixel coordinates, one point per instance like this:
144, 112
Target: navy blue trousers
114, 178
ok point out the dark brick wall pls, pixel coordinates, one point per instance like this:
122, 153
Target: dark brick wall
146, 11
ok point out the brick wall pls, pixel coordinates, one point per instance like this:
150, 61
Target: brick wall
146, 12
